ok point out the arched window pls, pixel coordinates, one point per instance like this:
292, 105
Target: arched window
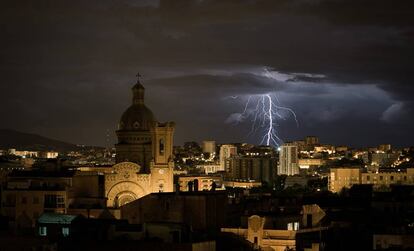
161, 147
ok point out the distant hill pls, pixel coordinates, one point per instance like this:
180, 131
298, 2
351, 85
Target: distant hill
33, 142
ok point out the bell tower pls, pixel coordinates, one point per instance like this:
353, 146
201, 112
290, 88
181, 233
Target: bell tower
162, 138
162, 164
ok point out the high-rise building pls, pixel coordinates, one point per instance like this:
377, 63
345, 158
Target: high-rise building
252, 168
288, 160
226, 151
209, 146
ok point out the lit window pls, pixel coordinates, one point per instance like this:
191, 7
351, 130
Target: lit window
65, 231
296, 226
293, 226
42, 231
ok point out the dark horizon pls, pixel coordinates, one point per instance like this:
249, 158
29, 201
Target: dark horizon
345, 68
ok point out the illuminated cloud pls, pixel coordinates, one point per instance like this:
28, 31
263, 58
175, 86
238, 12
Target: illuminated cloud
396, 113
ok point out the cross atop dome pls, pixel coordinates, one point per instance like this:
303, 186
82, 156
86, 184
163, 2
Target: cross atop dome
138, 85
138, 91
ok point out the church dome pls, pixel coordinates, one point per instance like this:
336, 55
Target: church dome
137, 117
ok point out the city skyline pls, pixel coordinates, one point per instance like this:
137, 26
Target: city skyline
68, 68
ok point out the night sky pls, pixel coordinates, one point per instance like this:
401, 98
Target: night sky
345, 67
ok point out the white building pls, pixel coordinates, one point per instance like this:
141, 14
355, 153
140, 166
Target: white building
288, 160
226, 151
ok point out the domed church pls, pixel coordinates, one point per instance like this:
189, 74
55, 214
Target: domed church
144, 158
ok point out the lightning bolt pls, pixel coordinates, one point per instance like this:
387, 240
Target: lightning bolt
264, 112
270, 116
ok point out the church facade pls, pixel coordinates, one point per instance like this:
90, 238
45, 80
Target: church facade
144, 154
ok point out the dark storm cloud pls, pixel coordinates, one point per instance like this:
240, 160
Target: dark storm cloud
222, 86
67, 66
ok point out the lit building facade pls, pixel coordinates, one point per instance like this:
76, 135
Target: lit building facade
340, 178
226, 151
384, 159
262, 238
144, 154
283, 232
325, 148
202, 183
33, 154
288, 160
252, 168
307, 163
242, 183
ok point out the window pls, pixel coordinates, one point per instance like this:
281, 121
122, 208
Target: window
296, 226
65, 231
392, 178
381, 178
24, 200
161, 146
54, 201
368, 177
42, 231
293, 226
